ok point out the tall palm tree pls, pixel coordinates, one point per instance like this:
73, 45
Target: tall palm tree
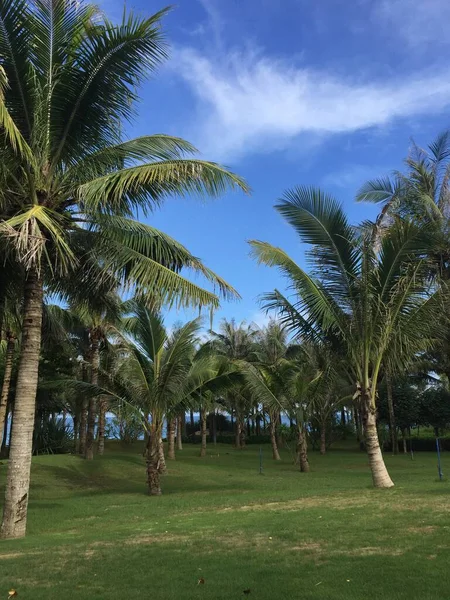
377, 307
70, 184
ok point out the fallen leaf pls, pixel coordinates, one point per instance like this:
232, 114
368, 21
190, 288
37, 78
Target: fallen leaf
201, 581
318, 583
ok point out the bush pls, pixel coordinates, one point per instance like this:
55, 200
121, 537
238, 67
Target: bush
51, 436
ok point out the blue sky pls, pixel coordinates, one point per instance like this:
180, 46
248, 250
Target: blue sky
317, 92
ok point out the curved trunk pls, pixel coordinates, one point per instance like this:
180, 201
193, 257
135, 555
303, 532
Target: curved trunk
21, 443
203, 432
102, 405
171, 424
153, 460
323, 438
392, 426
9, 359
380, 475
180, 427
273, 438
302, 449
92, 407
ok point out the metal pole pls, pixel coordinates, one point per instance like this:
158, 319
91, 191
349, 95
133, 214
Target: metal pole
260, 461
439, 459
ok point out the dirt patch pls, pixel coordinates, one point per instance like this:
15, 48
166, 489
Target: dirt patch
13, 555
313, 547
424, 529
159, 539
370, 551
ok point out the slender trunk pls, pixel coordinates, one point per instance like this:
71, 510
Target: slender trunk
180, 427
405, 448
162, 459
238, 431
64, 418
242, 431
5, 431
76, 436
191, 415
277, 417
359, 429
9, 359
171, 424
214, 428
380, 475
273, 438
323, 437
343, 417
392, 426
249, 430
102, 405
83, 426
153, 460
203, 432
21, 443
92, 407
302, 449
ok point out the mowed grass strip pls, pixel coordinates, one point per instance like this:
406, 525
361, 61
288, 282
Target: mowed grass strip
94, 533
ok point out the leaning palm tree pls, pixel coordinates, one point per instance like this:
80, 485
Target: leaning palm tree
70, 183
376, 307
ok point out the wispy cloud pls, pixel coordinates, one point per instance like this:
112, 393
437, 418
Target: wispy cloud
417, 22
352, 176
252, 103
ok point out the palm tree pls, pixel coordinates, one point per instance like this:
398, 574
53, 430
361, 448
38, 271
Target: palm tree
236, 343
376, 307
70, 184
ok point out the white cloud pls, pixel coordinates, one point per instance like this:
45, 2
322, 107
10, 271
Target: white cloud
416, 21
251, 103
351, 176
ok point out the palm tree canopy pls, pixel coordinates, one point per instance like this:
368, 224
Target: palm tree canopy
69, 181
374, 304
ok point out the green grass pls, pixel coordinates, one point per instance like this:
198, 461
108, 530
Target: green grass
94, 533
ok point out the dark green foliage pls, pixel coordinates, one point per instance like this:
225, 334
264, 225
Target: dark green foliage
407, 404
435, 408
51, 436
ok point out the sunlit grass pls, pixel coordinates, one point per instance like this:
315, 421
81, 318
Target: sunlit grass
94, 533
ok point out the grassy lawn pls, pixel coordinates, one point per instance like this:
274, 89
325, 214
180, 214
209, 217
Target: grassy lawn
94, 533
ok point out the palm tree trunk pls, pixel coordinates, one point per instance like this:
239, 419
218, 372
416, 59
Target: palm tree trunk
302, 449
83, 426
405, 448
323, 437
242, 433
153, 460
102, 404
392, 426
191, 416
203, 432
238, 431
76, 432
171, 425
214, 427
92, 407
5, 431
21, 443
380, 475
162, 459
6, 381
273, 438
180, 427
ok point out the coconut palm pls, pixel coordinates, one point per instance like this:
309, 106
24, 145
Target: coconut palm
70, 184
376, 307
236, 342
